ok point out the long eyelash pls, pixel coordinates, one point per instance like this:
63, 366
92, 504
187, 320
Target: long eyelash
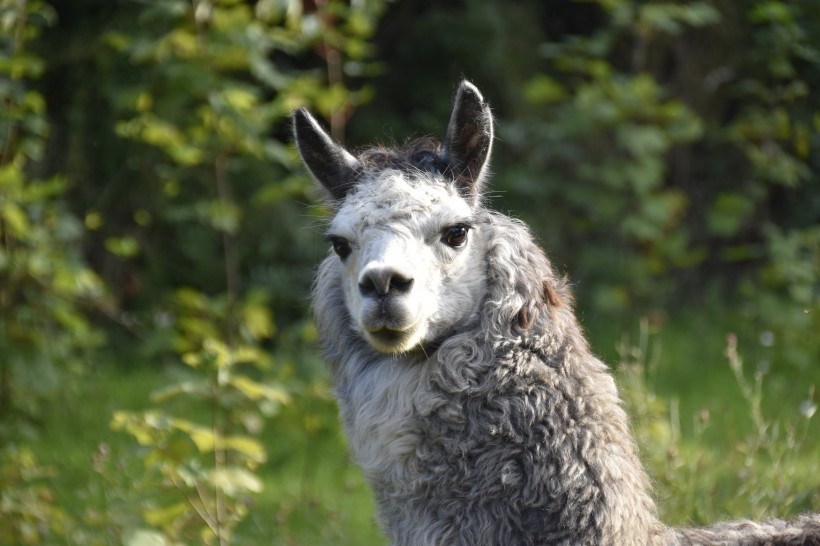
467, 224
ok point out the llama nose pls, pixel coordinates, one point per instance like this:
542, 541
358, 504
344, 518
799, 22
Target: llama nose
384, 282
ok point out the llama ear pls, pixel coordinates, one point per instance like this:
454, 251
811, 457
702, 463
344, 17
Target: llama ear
330, 164
469, 140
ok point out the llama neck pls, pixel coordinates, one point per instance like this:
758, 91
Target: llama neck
561, 408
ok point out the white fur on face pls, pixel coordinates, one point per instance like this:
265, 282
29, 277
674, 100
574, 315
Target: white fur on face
396, 225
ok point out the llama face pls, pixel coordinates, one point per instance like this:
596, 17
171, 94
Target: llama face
406, 234
407, 252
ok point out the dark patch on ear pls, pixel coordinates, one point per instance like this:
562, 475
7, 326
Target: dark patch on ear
524, 319
527, 315
550, 295
468, 141
329, 163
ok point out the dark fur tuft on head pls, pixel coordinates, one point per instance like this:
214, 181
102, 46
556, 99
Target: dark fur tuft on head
423, 154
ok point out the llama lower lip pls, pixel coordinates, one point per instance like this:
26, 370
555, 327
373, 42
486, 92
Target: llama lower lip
387, 336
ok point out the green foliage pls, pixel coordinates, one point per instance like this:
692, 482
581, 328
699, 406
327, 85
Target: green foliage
600, 139
784, 296
45, 285
209, 469
777, 133
204, 105
28, 512
22, 125
662, 160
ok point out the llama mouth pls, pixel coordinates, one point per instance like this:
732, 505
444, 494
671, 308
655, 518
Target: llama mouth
390, 341
387, 336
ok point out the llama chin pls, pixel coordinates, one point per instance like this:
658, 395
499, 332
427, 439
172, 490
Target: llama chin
467, 390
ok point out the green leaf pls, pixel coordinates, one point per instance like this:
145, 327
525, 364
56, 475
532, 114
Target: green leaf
643, 140
161, 517
543, 89
11, 177
203, 437
192, 299
124, 247
247, 446
22, 66
221, 215
257, 319
770, 12
15, 219
728, 213
198, 388
145, 537
240, 99
145, 428
234, 481
259, 391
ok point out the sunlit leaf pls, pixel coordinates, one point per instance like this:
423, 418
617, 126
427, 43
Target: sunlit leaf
93, 220
15, 219
124, 247
145, 537
256, 317
160, 517
198, 388
203, 437
728, 213
234, 481
145, 428
543, 89
259, 391
247, 446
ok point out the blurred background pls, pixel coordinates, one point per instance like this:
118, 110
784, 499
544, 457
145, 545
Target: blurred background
159, 380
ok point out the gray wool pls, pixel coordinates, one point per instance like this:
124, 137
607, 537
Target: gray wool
496, 425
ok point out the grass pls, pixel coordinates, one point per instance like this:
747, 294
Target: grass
719, 445
709, 457
316, 495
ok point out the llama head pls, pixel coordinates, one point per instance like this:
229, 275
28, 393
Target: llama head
406, 229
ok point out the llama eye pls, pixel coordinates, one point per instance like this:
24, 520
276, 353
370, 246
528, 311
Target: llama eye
340, 246
456, 236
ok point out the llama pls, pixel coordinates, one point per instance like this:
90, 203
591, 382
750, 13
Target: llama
469, 395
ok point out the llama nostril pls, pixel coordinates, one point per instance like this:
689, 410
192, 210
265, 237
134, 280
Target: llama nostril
400, 284
367, 286
384, 282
